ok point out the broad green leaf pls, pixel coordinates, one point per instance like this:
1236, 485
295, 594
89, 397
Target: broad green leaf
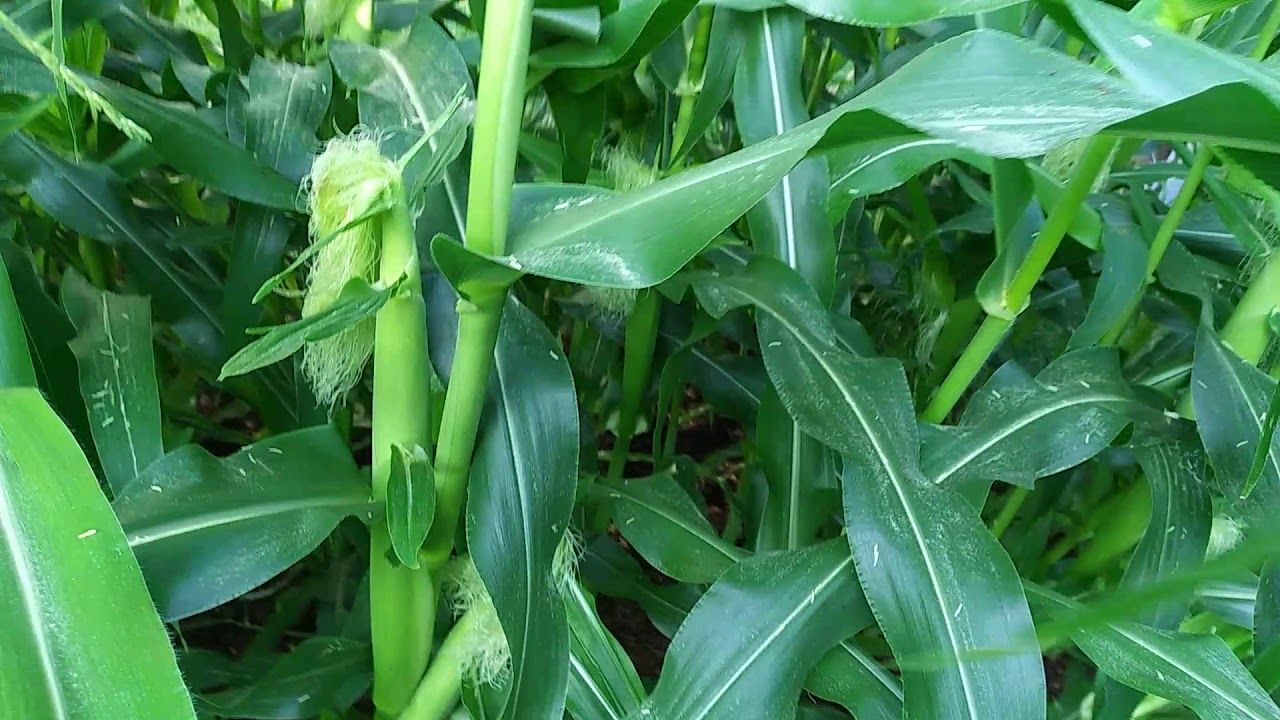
357, 302
1039, 100
790, 223
69, 652
1174, 542
607, 569
404, 87
876, 12
848, 675
1017, 429
661, 521
117, 377
320, 674
929, 567
579, 119
16, 369
288, 104
193, 147
235, 48
632, 31
520, 498
1231, 599
1231, 397
1198, 671
603, 684
411, 502
866, 169
87, 198
207, 530
748, 643
800, 474
48, 333
1124, 272
1141, 51
724, 47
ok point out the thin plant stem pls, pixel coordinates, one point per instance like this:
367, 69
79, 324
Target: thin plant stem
499, 113
691, 82
637, 364
402, 600
820, 75
1160, 244
993, 328
1009, 511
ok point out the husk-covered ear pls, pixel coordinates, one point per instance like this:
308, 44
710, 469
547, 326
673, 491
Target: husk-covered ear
350, 178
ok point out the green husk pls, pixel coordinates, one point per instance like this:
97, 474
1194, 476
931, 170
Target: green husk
347, 180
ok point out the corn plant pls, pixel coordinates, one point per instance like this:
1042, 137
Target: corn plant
639, 359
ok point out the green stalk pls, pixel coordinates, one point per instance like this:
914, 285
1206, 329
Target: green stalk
637, 362
1164, 235
16, 369
642, 322
402, 600
691, 83
499, 112
1009, 511
993, 328
441, 687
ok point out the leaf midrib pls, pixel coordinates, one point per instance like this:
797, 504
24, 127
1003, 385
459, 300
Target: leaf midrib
808, 600
189, 525
26, 580
992, 439
896, 482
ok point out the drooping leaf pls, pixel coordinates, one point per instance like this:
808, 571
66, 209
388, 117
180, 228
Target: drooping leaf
930, 569
48, 333
86, 198
603, 684
1124, 268
284, 107
1174, 542
519, 501
1017, 428
1043, 100
848, 675
745, 648
608, 569
404, 89
411, 502
664, 525
320, 674
1230, 397
70, 653
194, 147
1198, 671
207, 530
117, 377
